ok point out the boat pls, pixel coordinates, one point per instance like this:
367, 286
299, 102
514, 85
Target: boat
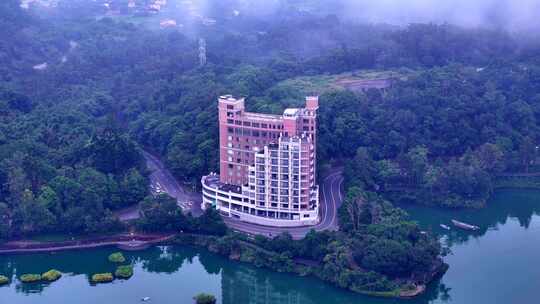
145, 299
445, 227
464, 225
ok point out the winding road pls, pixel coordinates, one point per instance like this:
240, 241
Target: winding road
162, 181
330, 200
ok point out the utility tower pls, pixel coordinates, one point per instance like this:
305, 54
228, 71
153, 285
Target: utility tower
202, 52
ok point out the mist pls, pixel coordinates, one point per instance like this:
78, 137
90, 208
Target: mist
512, 15
508, 14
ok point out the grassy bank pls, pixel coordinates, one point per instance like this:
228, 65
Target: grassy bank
306, 85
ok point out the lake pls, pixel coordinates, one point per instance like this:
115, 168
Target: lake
493, 265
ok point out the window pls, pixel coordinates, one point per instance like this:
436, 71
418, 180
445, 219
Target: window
230, 107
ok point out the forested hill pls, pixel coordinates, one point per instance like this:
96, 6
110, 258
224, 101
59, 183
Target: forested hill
81, 93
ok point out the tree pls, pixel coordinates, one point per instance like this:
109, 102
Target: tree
490, 157
114, 152
134, 187
361, 170
417, 164
204, 298
355, 211
161, 213
527, 153
387, 256
49, 199
5, 226
210, 222
32, 217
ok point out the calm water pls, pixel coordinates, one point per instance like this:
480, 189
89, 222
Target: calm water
495, 265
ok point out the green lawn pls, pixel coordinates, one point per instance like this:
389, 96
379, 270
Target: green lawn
319, 84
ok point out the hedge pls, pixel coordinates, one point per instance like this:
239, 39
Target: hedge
51, 275
3, 280
30, 278
124, 272
117, 257
204, 298
102, 277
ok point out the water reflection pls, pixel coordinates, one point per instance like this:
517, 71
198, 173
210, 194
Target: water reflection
504, 205
238, 283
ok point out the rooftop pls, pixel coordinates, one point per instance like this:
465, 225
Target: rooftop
290, 112
260, 116
212, 181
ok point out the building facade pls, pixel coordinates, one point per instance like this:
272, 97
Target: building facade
267, 165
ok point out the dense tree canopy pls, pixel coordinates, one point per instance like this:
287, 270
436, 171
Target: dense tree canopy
81, 93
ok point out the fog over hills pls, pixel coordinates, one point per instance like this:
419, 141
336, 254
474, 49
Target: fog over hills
513, 15
509, 14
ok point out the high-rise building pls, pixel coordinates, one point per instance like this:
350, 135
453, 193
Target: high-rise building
267, 165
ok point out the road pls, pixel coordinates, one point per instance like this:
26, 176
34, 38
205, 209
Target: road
331, 197
162, 181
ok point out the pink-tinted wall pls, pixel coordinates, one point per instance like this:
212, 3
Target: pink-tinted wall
240, 132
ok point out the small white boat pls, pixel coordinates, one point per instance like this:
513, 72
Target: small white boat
465, 225
145, 299
445, 227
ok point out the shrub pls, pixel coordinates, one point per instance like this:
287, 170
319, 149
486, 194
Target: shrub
30, 278
102, 277
124, 272
204, 298
3, 280
117, 257
51, 275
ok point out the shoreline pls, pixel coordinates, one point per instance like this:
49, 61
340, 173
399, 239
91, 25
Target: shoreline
303, 269
145, 240
125, 240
